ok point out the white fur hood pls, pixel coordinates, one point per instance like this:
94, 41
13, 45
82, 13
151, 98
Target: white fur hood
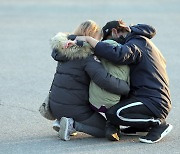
60, 39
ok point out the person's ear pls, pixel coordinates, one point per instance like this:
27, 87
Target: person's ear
114, 30
114, 33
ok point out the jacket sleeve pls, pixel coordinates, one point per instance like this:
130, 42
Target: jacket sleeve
124, 54
105, 80
78, 42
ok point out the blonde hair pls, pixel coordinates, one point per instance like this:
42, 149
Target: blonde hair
88, 28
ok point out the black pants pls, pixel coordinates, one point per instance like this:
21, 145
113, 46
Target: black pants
94, 125
131, 112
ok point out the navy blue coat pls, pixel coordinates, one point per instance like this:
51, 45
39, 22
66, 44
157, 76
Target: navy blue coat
149, 82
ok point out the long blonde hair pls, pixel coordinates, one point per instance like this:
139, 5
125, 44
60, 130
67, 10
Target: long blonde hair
88, 28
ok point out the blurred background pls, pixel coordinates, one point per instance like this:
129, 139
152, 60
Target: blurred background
27, 69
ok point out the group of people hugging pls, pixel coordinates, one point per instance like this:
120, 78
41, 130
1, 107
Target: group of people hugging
107, 78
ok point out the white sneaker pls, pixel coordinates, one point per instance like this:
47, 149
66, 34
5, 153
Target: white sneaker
56, 125
66, 125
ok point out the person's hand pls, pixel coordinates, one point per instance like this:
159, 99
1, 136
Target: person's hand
69, 43
92, 41
81, 38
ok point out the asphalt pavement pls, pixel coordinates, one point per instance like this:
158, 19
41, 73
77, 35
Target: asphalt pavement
27, 69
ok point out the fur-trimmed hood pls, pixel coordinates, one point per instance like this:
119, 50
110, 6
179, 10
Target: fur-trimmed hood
58, 42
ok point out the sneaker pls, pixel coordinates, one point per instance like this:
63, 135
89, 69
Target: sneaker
132, 131
56, 125
66, 125
112, 132
156, 133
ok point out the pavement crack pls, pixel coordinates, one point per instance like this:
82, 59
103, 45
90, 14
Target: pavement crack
13, 106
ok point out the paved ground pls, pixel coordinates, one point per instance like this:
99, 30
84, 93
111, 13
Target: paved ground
26, 70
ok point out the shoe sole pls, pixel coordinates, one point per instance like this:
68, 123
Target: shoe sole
166, 131
135, 134
57, 128
64, 129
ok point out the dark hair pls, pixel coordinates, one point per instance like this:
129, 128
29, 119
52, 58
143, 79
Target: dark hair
119, 25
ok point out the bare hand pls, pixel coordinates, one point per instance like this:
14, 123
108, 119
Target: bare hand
69, 43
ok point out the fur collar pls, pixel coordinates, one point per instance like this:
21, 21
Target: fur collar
58, 42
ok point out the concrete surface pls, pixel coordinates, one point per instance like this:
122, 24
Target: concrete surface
27, 69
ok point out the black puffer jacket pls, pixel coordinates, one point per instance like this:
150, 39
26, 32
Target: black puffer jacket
70, 88
149, 79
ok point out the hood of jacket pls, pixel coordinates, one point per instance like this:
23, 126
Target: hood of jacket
143, 30
60, 39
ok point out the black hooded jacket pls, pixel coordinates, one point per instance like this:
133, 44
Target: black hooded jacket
69, 94
149, 82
